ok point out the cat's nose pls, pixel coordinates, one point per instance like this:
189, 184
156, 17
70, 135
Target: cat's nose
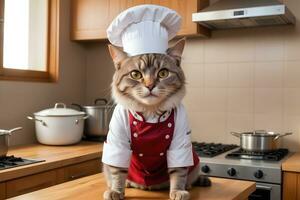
150, 87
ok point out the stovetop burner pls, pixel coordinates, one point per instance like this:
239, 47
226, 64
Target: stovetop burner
268, 156
12, 161
211, 149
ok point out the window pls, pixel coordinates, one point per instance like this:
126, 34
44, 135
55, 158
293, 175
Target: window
29, 40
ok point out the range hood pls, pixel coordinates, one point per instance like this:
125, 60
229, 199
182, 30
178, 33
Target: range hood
226, 14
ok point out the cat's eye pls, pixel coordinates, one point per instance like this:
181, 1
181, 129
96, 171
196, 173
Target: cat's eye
163, 73
136, 75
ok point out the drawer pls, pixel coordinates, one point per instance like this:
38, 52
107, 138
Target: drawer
79, 170
30, 183
2, 191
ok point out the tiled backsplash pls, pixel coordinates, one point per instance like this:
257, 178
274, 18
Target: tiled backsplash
246, 79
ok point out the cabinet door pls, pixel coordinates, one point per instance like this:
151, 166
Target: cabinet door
79, 170
30, 183
90, 18
290, 185
2, 191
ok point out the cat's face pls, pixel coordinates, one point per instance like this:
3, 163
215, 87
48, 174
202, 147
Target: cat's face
149, 81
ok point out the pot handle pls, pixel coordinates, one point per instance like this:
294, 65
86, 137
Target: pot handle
9, 132
235, 134
38, 120
83, 118
60, 104
282, 135
104, 101
77, 105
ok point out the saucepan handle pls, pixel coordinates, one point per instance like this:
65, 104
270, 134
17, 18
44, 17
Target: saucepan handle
9, 132
282, 135
235, 134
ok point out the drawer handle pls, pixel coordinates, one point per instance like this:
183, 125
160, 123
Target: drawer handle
74, 176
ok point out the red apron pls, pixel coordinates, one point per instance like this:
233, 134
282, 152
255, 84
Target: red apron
149, 144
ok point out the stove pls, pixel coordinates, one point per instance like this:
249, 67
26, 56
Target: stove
263, 168
267, 156
7, 162
211, 149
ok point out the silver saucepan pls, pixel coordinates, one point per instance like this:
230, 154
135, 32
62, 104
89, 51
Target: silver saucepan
259, 141
4, 140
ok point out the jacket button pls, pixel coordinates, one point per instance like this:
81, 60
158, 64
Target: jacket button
167, 136
161, 154
134, 123
141, 155
135, 135
169, 125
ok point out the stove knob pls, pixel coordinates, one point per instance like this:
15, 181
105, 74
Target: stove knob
205, 169
231, 172
258, 174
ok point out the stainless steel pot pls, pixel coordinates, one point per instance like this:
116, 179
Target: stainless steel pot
4, 140
259, 141
99, 117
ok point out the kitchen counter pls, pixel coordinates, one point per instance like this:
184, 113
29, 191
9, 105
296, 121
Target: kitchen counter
92, 187
292, 164
54, 156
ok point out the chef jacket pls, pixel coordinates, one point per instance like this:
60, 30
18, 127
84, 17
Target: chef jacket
117, 148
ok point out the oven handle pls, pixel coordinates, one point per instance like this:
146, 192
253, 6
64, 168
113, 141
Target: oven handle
263, 187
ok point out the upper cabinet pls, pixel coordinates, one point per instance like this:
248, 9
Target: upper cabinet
90, 18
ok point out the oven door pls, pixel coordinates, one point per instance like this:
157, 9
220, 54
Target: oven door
266, 191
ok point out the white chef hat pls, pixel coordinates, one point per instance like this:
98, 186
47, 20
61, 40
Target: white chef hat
144, 29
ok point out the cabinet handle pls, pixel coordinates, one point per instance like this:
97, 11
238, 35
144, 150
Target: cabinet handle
74, 176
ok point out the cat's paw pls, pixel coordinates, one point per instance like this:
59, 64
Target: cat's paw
179, 195
112, 195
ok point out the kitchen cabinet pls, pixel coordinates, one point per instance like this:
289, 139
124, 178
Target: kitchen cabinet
291, 177
30, 183
291, 186
46, 179
62, 164
90, 18
2, 191
79, 170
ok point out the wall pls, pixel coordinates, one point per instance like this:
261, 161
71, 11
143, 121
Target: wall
99, 71
238, 80
19, 99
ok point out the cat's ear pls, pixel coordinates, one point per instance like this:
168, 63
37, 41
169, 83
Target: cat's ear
176, 50
116, 54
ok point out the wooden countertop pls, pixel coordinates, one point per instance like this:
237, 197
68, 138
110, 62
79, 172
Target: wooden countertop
54, 156
92, 187
292, 163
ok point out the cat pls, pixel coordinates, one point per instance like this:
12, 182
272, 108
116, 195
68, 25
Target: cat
147, 86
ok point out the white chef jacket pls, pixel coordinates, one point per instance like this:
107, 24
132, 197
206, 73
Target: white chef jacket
117, 148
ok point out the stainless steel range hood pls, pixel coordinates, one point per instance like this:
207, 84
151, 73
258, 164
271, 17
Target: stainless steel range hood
226, 14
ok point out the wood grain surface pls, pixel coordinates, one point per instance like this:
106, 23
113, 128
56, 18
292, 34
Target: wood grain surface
92, 187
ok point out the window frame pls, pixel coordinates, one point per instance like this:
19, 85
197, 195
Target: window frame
51, 73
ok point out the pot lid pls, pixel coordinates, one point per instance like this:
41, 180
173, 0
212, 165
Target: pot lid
261, 133
60, 109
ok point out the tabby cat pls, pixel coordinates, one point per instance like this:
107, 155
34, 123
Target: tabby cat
150, 84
